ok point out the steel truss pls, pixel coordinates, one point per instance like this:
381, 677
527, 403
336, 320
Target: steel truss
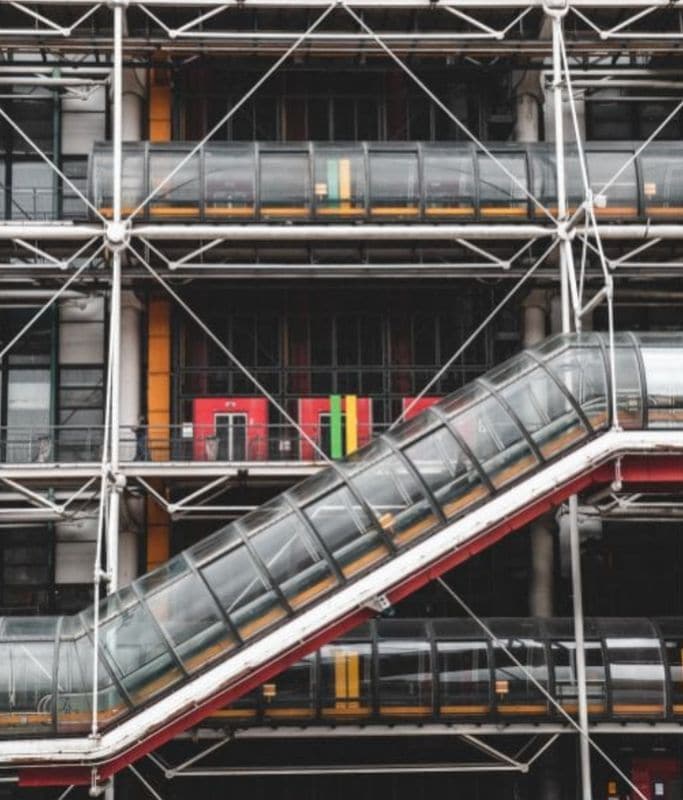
115, 248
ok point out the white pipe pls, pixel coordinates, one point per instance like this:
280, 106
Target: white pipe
378, 4
354, 233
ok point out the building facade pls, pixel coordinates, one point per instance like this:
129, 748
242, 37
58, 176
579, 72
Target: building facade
241, 240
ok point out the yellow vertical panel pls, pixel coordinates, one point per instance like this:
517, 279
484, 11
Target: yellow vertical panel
351, 403
345, 182
353, 679
340, 683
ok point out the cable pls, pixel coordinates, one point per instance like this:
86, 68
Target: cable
558, 707
475, 333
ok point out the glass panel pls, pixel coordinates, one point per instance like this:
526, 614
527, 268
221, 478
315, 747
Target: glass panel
495, 441
636, 669
629, 389
345, 679
284, 185
450, 475
622, 195
664, 386
545, 180
339, 181
394, 184
396, 498
345, 527
74, 705
178, 196
582, 371
223, 539
139, 655
229, 178
515, 693
448, 183
500, 196
26, 697
242, 593
662, 184
293, 561
566, 691
291, 693
673, 643
28, 416
404, 670
190, 619
545, 412
134, 183
33, 194
464, 677
314, 486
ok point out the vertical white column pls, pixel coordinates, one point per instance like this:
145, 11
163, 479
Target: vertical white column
528, 106
541, 530
566, 265
115, 483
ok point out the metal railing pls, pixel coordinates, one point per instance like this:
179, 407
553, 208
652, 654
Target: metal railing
184, 442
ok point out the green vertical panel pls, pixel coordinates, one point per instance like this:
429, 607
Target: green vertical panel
336, 447
332, 180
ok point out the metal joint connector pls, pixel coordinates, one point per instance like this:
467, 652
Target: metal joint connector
617, 482
556, 8
379, 603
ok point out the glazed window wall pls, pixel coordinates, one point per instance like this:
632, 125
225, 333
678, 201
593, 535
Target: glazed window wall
27, 571
374, 181
298, 346
444, 670
26, 388
419, 670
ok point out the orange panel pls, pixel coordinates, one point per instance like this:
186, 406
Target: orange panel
159, 377
158, 534
159, 113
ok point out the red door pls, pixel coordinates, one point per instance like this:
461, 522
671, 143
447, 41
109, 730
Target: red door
657, 777
230, 428
314, 414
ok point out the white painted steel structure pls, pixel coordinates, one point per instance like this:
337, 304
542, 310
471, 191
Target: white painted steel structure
120, 234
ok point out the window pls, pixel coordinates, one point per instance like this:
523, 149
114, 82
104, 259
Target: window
26, 571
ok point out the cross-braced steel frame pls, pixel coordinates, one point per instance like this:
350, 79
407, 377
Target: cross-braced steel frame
578, 43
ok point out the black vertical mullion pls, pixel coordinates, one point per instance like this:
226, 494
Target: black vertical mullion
317, 539
486, 480
104, 661
642, 376
554, 377
55, 673
374, 669
517, 422
222, 613
412, 469
436, 672
159, 628
668, 689
263, 570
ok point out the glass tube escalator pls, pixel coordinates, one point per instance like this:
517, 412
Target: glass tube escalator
226, 603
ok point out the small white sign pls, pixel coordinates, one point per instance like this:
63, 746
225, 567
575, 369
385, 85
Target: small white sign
187, 430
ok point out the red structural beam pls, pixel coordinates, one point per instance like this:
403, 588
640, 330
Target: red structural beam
651, 471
